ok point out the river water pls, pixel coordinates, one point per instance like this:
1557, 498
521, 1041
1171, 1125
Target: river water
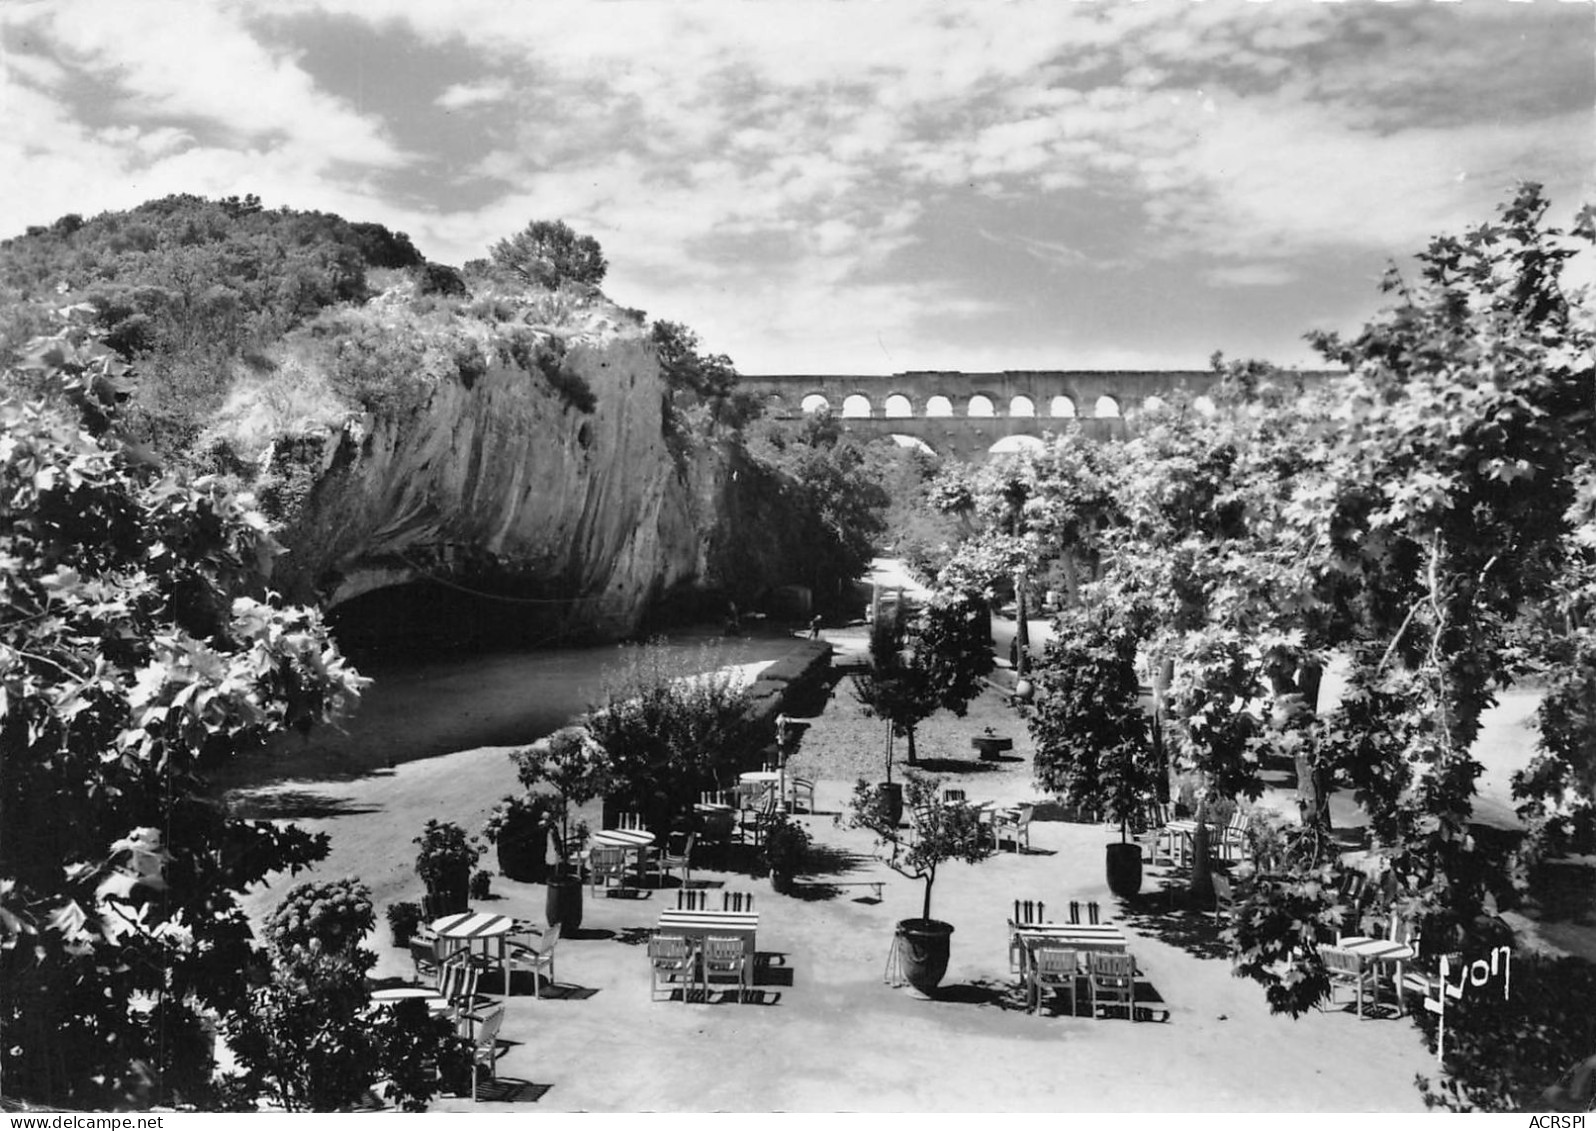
421, 706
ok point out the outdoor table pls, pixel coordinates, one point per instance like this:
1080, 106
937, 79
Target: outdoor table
1075, 936
1186, 833
772, 779
697, 924
630, 840
469, 926
1370, 951
435, 1002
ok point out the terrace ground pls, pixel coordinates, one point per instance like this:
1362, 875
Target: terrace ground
824, 1032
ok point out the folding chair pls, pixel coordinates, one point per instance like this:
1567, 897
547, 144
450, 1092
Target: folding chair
1155, 835
801, 786
1346, 969
1092, 912
539, 956
1233, 838
736, 901
692, 899
1112, 979
485, 1047
667, 862
1224, 898
605, 864
671, 961
1052, 967
1015, 826
751, 823
428, 952
726, 958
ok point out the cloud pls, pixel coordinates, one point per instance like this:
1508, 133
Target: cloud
462, 96
749, 168
1250, 275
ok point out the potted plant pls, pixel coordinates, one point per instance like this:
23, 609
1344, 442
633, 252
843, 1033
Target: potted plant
447, 855
942, 832
518, 828
481, 884
578, 769
403, 920
1092, 742
936, 659
785, 851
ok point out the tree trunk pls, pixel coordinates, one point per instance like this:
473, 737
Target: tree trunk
1161, 681
1301, 683
911, 758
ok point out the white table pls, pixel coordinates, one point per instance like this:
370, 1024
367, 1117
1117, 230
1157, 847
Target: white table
434, 1000
628, 840
1102, 937
1185, 837
469, 926
1377, 952
698, 924
770, 779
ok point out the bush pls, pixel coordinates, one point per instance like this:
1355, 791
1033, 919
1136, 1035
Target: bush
544, 355
336, 914
786, 850
404, 917
446, 852
672, 726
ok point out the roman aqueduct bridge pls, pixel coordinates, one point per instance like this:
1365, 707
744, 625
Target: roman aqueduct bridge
967, 414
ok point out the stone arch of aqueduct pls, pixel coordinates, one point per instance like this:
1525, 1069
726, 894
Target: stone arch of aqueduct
966, 414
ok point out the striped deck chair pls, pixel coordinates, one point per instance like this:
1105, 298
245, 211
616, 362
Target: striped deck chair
1233, 837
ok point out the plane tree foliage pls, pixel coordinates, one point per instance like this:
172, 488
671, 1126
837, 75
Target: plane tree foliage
1428, 516
139, 648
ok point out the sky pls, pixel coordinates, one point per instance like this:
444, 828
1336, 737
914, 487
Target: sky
847, 187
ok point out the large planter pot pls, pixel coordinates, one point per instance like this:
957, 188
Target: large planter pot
1124, 869
923, 948
564, 903
992, 747
894, 796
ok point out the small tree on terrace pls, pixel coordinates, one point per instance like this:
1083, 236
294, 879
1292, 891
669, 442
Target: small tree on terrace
919, 664
1091, 735
941, 832
548, 253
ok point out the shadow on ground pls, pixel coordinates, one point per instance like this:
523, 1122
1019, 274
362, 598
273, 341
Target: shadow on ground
507, 1090
1169, 915
302, 804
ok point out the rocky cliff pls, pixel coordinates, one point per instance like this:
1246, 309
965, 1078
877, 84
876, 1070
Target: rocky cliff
489, 487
